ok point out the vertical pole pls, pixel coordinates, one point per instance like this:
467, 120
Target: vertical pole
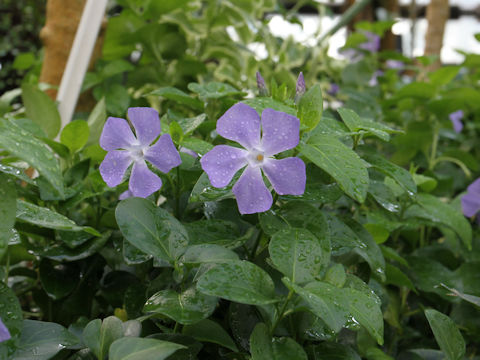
79, 58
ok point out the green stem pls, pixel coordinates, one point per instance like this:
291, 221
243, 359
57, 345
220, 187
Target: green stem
452, 160
433, 154
282, 313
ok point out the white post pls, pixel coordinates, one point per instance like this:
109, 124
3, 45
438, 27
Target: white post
79, 58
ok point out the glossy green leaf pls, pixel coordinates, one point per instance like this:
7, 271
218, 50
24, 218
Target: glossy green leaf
188, 307
263, 103
189, 125
447, 334
433, 209
239, 281
98, 335
24, 145
262, 346
339, 161
151, 229
475, 300
133, 348
215, 232
42, 340
396, 277
298, 254
210, 331
205, 191
41, 109
326, 301
328, 350
75, 135
11, 315
95, 122
45, 217
208, 253
179, 96
213, 90
399, 174
357, 124
310, 108
8, 208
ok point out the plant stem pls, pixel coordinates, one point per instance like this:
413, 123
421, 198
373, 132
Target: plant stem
281, 313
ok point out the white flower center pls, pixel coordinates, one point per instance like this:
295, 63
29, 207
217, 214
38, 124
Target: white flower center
256, 157
137, 153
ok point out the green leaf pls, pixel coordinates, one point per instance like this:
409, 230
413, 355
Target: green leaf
59, 281
189, 307
75, 135
325, 301
447, 334
298, 254
396, 277
214, 231
16, 172
203, 191
189, 125
329, 350
24, 145
11, 315
433, 209
339, 161
475, 300
417, 90
213, 90
210, 331
95, 122
208, 253
399, 174
45, 217
24, 61
132, 348
262, 346
8, 208
98, 335
199, 146
357, 124
239, 281
41, 109
262, 103
151, 229
42, 340
179, 96
310, 108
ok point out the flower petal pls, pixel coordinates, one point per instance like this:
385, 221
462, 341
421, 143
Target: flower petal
280, 131
222, 162
146, 122
474, 187
287, 176
4, 333
470, 204
143, 182
456, 119
251, 193
240, 123
116, 134
114, 165
125, 195
163, 155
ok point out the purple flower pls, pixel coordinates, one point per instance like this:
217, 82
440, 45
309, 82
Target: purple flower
456, 119
4, 333
280, 132
188, 151
374, 79
262, 88
373, 42
471, 200
334, 88
394, 64
124, 148
300, 88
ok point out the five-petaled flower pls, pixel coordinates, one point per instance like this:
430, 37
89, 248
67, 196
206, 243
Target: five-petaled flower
4, 333
471, 200
456, 119
261, 139
124, 148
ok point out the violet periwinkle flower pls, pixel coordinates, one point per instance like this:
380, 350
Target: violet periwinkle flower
471, 200
262, 88
124, 148
4, 333
394, 64
456, 119
374, 79
261, 139
373, 42
334, 88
